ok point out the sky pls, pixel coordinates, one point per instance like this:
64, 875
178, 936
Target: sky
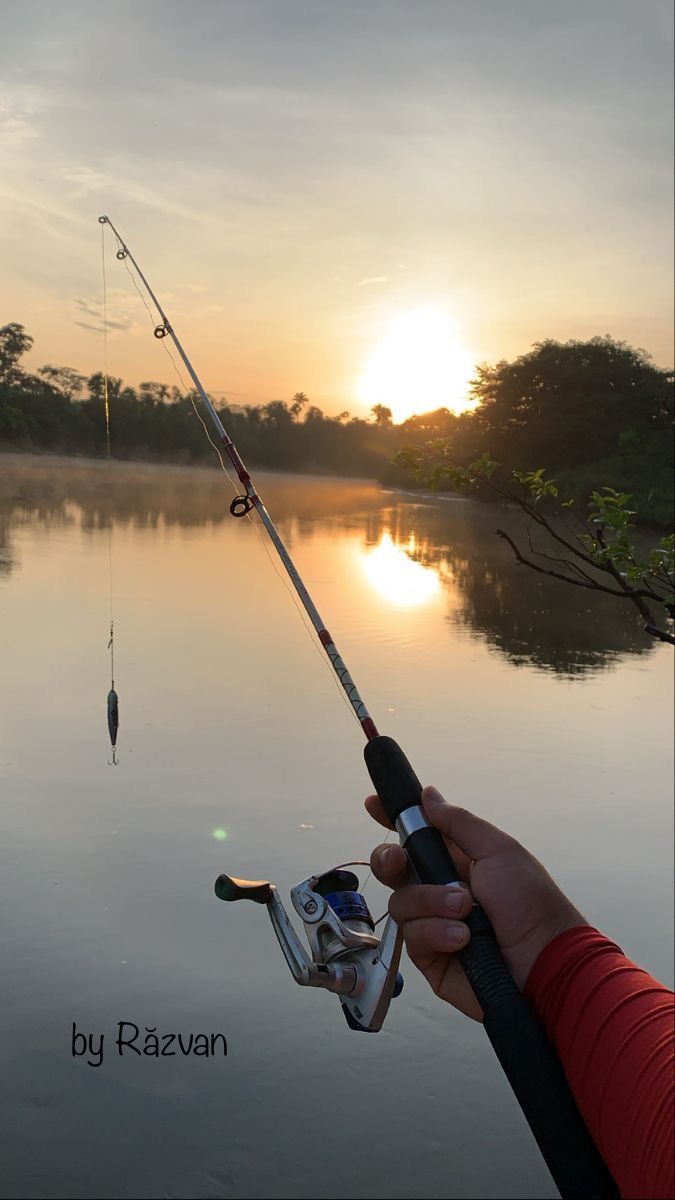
357, 200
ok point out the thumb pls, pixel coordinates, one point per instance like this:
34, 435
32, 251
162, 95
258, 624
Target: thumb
476, 837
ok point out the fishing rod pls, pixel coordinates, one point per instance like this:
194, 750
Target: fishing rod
347, 958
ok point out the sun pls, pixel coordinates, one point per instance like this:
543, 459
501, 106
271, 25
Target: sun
418, 366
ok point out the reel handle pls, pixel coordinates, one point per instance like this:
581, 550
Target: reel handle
229, 888
524, 1052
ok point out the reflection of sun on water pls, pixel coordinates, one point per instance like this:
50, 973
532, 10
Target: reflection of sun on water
418, 366
398, 578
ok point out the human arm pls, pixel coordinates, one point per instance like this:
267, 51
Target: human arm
610, 1022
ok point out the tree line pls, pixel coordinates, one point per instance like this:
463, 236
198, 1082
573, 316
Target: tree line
59, 410
592, 413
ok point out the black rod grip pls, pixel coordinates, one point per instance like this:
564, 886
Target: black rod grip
524, 1052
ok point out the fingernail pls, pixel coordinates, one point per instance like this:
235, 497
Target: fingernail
385, 855
454, 935
454, 898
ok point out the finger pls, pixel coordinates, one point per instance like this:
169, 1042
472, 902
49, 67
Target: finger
454, 988
432, 935
428, 900
390, 865
375, 810
475, 837
451, 984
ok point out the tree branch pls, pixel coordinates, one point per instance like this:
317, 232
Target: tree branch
593, 586
571, 566
527, 562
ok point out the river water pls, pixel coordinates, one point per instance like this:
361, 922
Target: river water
545, 709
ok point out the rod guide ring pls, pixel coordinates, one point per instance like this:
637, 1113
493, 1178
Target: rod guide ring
241, 505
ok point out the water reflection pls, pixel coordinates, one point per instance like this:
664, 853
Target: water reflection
411, 551
530, 619
394, 573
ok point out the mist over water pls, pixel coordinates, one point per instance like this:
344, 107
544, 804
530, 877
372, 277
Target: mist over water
544, 708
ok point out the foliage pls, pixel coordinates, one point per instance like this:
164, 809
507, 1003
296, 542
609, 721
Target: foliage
598, 413
569, 403
14, 342
382, 415
598, 552
59, 410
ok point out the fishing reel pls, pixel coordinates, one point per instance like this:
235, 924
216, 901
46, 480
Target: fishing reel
347, 957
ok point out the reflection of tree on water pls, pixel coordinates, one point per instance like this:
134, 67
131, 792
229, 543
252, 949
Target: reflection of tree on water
530, 619
5, 556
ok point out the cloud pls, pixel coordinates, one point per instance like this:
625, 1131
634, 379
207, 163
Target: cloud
93, 312
18, 113
84, 178
125, 326
86, 181
90, 328
373, 279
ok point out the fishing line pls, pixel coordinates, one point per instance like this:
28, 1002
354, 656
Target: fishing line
189, 392
250, 499
112, 699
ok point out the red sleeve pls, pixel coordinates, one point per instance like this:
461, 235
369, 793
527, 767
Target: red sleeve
612, 1026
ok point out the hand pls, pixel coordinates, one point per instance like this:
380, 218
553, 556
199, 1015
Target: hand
526, 908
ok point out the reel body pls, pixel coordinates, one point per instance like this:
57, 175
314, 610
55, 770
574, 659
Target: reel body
346, 955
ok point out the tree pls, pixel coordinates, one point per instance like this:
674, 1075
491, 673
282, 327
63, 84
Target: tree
14, 342
158, 392
65, 380
96, 384
300, 400
382, 415
277, 414
570, 403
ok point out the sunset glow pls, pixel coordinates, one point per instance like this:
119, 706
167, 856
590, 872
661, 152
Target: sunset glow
333, 199
418, 366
